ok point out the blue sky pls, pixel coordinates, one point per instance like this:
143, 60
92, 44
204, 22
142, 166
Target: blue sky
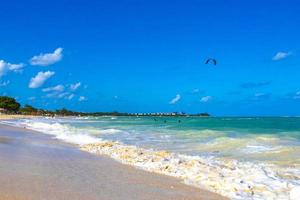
148, 56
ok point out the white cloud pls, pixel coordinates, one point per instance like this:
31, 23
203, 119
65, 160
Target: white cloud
82, 98
58, 88
3, 68
175, 99
4, 83
40, 79
196, 90
61, 95
205, 99
58, 95
297, 95
75, 86
47, 58
6, 67
59, 92
18, 68
53, 94
70, 96
281, 55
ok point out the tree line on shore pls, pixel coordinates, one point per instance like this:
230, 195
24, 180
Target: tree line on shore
9, 105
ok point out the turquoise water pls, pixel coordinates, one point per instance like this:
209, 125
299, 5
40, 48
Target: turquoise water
242, 158
255, 139
270, 139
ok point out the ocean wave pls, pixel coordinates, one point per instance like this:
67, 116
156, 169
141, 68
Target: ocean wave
60, 131
258, 149
228, 177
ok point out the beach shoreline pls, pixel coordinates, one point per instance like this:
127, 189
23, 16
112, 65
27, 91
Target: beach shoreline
36, 166
16, 116
120, 139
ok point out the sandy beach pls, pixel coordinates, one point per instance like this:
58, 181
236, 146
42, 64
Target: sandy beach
34, 166
7, 117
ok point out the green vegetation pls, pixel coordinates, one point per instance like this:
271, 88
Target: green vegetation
10, 105
28, 110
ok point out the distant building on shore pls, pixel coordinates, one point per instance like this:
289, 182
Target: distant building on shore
160, 114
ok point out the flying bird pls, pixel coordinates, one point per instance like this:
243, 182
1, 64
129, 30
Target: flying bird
211, 60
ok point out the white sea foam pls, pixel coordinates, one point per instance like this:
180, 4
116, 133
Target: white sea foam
258, 149
236, 180
62, 132
228, 177
110, 131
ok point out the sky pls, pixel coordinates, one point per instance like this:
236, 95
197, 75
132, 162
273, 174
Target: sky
149, 56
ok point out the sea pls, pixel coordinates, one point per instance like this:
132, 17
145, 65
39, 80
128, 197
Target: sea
237, 157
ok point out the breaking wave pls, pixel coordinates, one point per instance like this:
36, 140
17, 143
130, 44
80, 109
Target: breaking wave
226, 176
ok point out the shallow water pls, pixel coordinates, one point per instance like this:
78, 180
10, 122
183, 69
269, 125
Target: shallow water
34, 167
268, 147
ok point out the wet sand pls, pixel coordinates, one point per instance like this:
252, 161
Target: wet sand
33, 167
